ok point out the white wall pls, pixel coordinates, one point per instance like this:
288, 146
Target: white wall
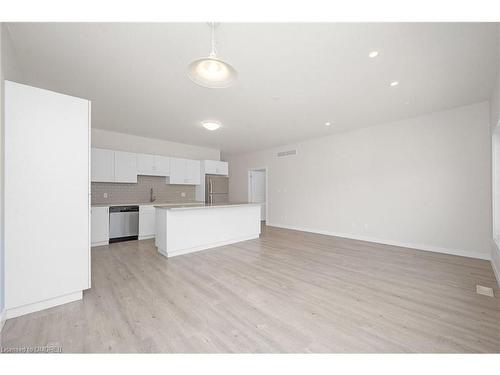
423, 182
496, 184
495, 250
495, 130
8, 70
2, 288
126, 142
495, 96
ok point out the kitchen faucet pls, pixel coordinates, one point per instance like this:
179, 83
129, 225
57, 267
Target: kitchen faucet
152, 198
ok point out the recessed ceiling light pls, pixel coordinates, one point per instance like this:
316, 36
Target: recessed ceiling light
328, 123
394, 83
210, 125
373, 54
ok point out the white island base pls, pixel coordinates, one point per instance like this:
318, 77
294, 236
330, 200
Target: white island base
183, 230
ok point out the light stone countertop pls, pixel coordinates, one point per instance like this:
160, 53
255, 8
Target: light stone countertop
170, 204
200, 205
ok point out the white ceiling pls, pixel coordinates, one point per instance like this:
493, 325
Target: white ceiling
292, 77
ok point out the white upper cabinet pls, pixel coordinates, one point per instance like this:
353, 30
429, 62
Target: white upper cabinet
216, 167
120, 166
102, 165
113, 166
153, 165
193, 172
162, 165
184, 171
125, 167
146, 164
177, 171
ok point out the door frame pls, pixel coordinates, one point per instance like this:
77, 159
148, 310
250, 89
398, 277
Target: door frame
495, 181
249, 187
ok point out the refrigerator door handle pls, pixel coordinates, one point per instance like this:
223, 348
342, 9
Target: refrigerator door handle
210, 184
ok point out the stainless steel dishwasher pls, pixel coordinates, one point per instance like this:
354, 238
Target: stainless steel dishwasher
123, 223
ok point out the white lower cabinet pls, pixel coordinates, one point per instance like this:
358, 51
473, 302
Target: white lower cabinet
99, 226
146, 222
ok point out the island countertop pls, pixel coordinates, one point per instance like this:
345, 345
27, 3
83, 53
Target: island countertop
203, 206
186, 229
145, 204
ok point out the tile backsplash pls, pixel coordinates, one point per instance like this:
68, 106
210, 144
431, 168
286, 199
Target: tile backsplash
139, 192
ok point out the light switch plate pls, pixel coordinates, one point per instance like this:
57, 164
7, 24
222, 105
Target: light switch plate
183, 195
105, 195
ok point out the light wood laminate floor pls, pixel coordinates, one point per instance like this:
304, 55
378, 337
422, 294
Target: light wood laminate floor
288, 291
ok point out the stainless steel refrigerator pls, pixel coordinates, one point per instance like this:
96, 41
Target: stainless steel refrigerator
216, 189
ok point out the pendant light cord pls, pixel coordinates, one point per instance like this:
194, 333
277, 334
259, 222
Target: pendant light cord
214, 49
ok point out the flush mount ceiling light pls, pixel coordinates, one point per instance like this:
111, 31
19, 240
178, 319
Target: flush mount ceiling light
328, 123
211, 71
210, 125
394, 83
373, 54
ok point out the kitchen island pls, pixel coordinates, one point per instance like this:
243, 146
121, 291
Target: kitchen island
190, 228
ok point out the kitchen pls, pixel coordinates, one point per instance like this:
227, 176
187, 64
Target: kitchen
127, 188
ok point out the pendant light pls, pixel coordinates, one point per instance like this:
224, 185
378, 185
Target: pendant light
211, 71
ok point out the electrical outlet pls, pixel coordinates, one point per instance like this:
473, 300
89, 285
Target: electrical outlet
105, 195
183, 195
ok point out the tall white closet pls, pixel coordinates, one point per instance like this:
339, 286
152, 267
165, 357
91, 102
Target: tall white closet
47, 198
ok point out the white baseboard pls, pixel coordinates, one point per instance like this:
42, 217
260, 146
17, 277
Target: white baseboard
146, 237
171, 253
495, 262
435, 249
33, 307
103, 243
2, 320
496, 271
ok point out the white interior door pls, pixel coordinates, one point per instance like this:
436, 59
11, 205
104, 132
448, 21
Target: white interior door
258, 190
